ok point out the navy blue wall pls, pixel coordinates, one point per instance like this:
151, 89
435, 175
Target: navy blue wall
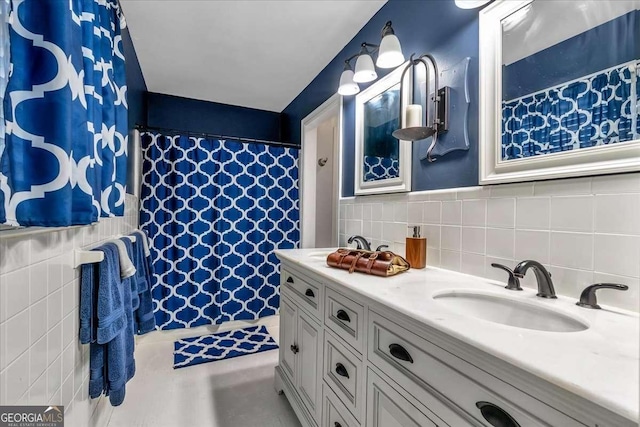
174, 112
602, 47
136, 86
438, 27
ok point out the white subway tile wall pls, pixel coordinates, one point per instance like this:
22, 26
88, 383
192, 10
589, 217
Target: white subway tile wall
41, 359
584, 230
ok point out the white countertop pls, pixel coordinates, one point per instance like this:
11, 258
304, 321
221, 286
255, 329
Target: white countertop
601, 364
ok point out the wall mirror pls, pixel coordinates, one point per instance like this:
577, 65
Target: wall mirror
383, 163
559, 89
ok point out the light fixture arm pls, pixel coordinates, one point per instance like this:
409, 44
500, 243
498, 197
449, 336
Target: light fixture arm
374, 46
424, 60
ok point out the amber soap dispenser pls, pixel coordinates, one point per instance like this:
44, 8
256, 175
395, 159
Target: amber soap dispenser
417, 249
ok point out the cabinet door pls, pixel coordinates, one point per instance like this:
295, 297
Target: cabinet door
387, 408
309, 363
288, 338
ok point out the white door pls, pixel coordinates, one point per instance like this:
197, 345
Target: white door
319, 185
325, 200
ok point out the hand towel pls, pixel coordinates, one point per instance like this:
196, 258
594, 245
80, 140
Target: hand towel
144, 316
109, 317
131, 296
88, 282
131, 281
110, 308
112, 363
126, 266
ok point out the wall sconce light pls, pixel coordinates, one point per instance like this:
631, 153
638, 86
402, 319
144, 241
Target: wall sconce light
390, 52
414, 129
389, 56
347, 85
365, 70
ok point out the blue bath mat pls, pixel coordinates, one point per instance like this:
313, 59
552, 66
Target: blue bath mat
223, 345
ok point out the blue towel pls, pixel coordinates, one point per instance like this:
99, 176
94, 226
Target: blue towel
133, 283
88, 281
120, 351
111, 353
130, 339
144, 316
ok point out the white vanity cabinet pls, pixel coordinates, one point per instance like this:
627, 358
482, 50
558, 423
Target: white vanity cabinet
347, 360
301, 342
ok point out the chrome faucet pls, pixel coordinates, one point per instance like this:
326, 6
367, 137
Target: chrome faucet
545, 284
361, 242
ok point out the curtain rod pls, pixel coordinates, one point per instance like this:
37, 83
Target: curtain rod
214, 136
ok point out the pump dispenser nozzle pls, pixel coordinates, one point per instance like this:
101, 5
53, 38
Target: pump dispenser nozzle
416, 230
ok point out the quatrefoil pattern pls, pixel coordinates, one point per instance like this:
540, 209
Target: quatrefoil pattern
215, 210
377, 168
595, 110
63, 149
223, 345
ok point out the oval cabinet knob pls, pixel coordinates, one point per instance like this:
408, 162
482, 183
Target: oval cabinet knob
289, 279
343, 315
309, 293
495, 415
294, 348
399, 352
337, 424
341, 370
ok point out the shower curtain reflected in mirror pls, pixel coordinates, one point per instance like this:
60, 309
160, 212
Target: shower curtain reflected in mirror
215, 210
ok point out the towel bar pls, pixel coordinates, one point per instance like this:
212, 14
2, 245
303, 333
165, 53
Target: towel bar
86, 257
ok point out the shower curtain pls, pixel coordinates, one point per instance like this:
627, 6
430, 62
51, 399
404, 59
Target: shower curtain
215, 210
63, 154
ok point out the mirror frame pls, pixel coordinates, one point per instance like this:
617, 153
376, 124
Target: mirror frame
606, 159
391, 185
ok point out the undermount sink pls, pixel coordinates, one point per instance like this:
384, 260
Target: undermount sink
320, 254
508, 311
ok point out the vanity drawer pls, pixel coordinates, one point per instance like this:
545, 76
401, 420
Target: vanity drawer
343, 373
335, 414
451, 389
386, 406
303, 289
345, 318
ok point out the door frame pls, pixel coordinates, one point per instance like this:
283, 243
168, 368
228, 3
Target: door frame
331, 108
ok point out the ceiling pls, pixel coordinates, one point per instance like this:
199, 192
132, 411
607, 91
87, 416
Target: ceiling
258, 54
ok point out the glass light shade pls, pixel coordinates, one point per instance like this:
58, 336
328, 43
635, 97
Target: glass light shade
390, 53
365, 70
470, 4
347, 85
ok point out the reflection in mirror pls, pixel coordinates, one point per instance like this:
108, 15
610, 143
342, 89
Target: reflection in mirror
570, 76
381, 150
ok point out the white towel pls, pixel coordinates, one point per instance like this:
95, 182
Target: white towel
127, 269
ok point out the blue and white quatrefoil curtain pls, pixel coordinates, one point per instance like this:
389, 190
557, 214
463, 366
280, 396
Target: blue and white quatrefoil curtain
598, 109
215, 211
63, 160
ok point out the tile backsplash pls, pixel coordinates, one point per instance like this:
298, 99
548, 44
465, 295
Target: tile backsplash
41, 359
584, 230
